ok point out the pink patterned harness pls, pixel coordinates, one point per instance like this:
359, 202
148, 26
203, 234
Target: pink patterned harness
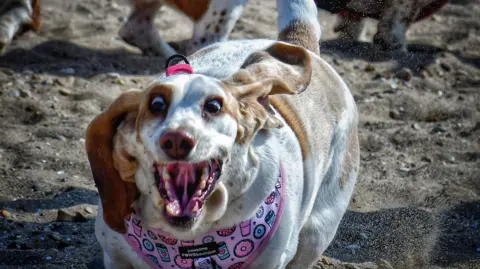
232, 248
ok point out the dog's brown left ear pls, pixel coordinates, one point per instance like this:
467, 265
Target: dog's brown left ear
251, 95
280, 69
289, 64
116, 194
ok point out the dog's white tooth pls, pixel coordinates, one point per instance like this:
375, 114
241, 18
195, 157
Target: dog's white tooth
195, 208
167, 185
169, 194
165, 174
210, 181
202, 185
204, 176
170, 210
198, 193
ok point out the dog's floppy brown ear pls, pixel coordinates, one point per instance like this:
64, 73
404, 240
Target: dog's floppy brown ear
289, 64
254, 100
117, 195
280, 69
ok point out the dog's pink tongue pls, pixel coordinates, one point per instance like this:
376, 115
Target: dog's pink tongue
184, 175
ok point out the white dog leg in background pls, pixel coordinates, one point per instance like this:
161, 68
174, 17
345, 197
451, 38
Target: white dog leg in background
140, 30
15, 14
215, 25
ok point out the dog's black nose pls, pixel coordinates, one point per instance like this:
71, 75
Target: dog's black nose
177, 144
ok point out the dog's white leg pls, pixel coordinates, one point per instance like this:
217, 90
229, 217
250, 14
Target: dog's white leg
298, 23
349, 27
314, 238
332, 199
140, 31
109, 264
216, 25
14, 14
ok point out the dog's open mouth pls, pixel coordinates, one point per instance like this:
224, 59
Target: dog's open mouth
184, 186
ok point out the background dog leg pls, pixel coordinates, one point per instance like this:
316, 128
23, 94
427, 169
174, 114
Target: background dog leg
392, 26
215, 25
14, 15
140, 31
349, 26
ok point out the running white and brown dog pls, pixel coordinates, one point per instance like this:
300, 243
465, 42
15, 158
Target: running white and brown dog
248, 162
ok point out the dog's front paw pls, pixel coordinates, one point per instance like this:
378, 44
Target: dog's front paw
389, 42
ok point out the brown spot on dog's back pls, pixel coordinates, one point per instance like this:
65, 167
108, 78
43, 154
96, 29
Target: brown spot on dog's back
223, 13
293, 120
300, 34
351, 157
194, 10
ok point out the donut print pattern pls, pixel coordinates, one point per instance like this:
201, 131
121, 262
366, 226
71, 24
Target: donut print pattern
154, 260
259, 231
226, 232
147, 245
152, 235
260, 211
208, 239
134, 242
168, 240
243, 248
234, 245
270, 199
183, 263
237, 265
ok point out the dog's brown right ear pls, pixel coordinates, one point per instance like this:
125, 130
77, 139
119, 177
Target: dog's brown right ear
116, 194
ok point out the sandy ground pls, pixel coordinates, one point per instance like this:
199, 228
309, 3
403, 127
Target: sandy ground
417, 201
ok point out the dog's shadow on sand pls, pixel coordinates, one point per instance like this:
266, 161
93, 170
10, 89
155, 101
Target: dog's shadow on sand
410, 237
417, 57
62, 58
71, 196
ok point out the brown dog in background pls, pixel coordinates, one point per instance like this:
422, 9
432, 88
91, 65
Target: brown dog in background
394, 18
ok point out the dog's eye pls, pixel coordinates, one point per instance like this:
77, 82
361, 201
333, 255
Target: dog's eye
213, 106
158, 105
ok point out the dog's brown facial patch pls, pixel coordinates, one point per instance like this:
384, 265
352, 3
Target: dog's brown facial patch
193, 9
164, 92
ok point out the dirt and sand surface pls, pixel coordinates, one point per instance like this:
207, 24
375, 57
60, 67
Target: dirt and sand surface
417, 201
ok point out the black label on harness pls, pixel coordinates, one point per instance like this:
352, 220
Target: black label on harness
198, 251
